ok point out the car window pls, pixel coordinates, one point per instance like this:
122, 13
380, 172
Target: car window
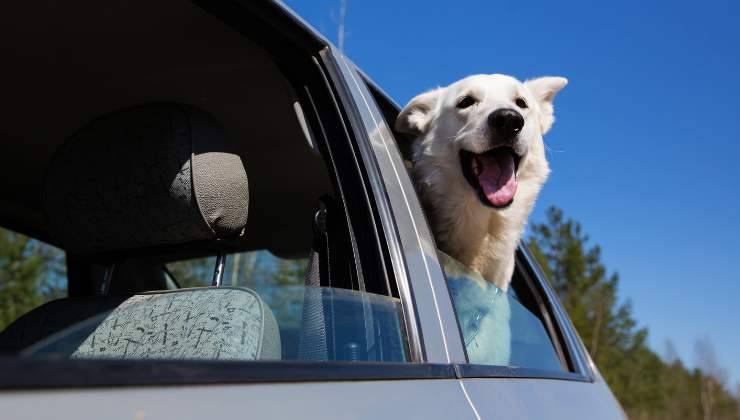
498, 327
31, 273
161, 302
146, 238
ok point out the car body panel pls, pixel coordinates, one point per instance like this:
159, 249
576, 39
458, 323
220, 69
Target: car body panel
542, 399
428, 399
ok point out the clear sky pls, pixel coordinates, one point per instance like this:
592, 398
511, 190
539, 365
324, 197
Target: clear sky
646, 146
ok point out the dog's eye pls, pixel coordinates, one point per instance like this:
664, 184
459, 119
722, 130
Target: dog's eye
521, 103
465, 102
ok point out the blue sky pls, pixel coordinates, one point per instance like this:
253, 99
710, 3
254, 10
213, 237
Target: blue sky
647, 138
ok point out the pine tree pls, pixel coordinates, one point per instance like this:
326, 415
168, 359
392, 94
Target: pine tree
646, 386
31, 273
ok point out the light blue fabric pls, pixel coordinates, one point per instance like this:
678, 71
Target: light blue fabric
497, 329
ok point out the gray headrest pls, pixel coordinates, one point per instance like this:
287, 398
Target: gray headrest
146, 176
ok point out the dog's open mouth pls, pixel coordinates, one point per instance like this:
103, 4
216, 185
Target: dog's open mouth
492, 175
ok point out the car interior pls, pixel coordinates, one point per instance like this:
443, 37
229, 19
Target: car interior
136, 135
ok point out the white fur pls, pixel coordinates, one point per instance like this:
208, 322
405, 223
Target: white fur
480, 237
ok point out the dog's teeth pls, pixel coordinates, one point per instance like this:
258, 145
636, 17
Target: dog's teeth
476, 167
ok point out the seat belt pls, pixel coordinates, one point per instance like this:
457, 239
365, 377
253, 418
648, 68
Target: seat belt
313, 343
318, 271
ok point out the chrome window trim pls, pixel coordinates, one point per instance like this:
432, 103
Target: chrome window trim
415, 259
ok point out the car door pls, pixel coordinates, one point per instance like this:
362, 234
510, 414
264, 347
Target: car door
570, 386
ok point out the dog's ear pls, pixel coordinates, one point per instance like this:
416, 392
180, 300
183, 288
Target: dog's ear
544, 90
415, 117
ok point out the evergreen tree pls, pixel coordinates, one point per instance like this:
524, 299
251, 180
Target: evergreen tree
646, 386
31, 273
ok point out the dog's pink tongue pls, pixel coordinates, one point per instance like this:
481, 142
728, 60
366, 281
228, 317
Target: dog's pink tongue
497, 177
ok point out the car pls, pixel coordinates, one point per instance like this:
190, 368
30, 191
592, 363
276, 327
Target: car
240, 233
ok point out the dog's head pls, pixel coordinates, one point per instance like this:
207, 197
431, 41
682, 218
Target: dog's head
482, 135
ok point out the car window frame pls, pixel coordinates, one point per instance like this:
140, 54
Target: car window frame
413, 255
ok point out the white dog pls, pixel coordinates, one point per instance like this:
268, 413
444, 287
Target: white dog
479, 164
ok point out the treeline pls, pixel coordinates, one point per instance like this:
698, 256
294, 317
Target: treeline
647, 386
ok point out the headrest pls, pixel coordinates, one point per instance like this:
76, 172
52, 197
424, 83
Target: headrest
146, 176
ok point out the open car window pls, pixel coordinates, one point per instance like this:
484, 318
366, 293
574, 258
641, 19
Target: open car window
511, 328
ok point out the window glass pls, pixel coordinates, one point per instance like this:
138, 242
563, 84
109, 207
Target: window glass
315, 323
266, 313
31, 274
496, 325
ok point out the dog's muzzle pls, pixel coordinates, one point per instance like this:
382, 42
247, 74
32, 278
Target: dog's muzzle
492, 174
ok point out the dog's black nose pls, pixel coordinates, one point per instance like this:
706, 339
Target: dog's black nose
506, 123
